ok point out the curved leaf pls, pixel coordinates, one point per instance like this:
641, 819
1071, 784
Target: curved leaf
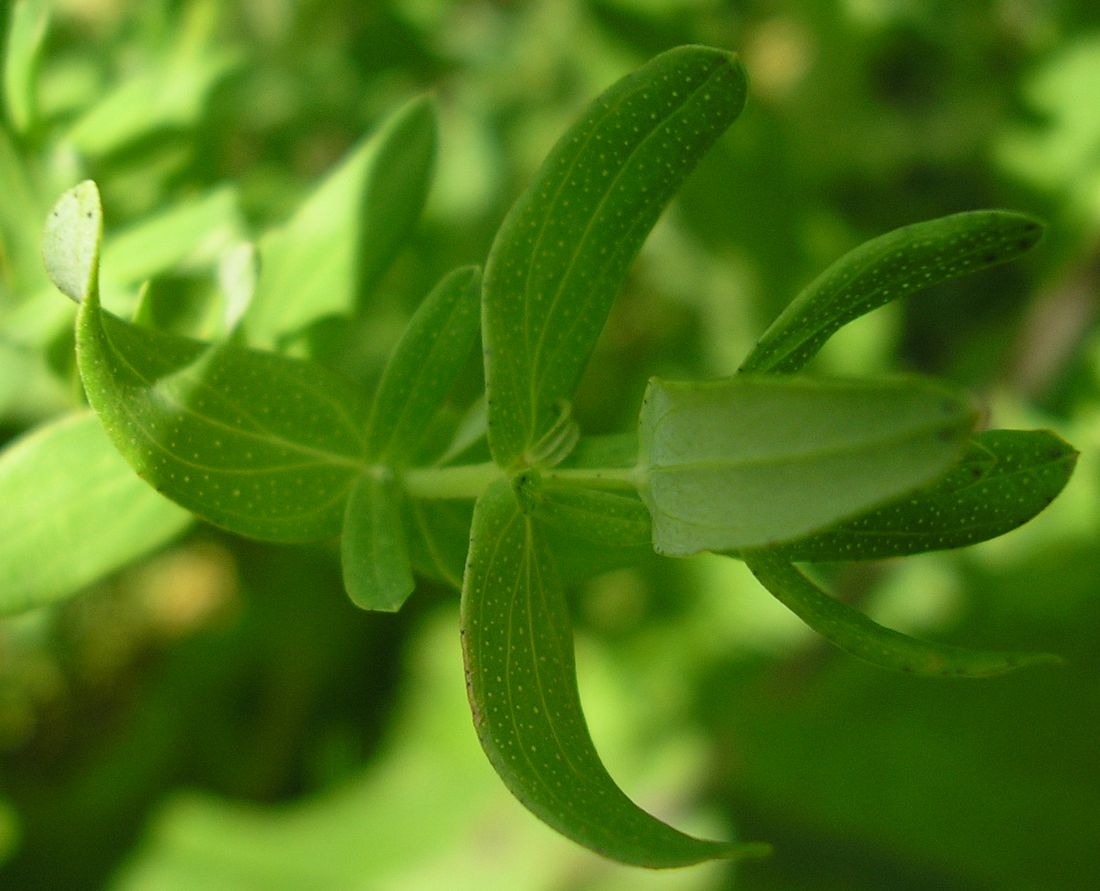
261, 444
1005, 479
854, 633
563, 250
521, 679
73, 511
753, 461
886, 268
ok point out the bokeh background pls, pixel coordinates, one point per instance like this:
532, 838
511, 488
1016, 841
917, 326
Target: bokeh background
219, 716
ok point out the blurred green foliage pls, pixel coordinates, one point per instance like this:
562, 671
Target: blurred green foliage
217, 715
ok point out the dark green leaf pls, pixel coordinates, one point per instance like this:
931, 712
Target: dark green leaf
423, 367
438, 535
375, 561
73, 511
886, 268
753, 461
562, 252
1005, 479
521, 678
854, 633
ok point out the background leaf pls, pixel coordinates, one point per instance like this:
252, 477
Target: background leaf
887, 268
854, 633
522, 682
562, 252
424, 366
748, 462
345, 234
74, 511
1005, 479
26, 32
373, 555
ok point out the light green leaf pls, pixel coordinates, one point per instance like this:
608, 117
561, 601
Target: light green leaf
563, 250
377, 572
521, 679
27, 25
73, 511
424, 365
754, 461
260, 444
197, 231
346, 233
1004, 479
886, 268
854, 633
71, 239
170, 95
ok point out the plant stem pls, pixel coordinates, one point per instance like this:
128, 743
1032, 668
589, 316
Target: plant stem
468, 481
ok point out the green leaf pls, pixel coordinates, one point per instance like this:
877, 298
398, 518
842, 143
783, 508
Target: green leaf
167, 98
1004, 479
263, 445
195, 231
27, 25
521, 678
753, 461
347, 232
854, 633
438, 533
71, 240
424, 365
377, 572
604, 518
564, 248
74, 511
886, 268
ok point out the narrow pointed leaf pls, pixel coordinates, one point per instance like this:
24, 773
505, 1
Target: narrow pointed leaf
27, 25
375, 561
563, 251
754, 461
347, 232
424, 365
854, 633
521, 679
1005, 479
73, 512
886, 268
263, 445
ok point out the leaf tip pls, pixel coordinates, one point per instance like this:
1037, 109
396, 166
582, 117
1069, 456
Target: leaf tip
71, 239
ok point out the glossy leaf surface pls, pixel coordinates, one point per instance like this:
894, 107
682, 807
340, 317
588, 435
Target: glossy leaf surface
562, 252
73, 511
373, 555
521, 679
424, 366
856, 634
886, 268
1005, 478
754, 461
